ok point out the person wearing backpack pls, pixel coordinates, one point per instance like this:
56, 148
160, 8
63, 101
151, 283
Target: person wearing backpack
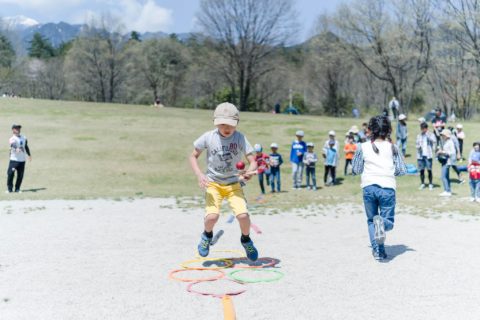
447, 156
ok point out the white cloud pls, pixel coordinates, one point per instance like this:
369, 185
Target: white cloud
39, 3
145, 15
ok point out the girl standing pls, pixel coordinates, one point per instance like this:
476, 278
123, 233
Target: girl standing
379, 162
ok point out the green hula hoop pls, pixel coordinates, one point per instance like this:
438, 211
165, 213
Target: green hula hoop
234, 275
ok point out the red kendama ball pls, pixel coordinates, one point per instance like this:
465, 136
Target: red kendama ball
240, 165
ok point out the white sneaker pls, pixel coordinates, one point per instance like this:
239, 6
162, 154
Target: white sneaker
422, 186
309, 188
445, 194
430, 187
473, 199
8, 191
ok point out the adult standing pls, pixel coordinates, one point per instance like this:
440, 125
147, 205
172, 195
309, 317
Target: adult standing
439, 121
299, 147
447, 157
19, 151
425, 143
394, 106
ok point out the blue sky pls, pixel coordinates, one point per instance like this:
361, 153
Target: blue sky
142, 15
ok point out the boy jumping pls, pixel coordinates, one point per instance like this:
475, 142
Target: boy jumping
225, 147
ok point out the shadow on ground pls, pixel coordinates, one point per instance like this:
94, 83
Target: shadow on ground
396, 250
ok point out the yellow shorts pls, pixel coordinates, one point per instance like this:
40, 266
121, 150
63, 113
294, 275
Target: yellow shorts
233, 193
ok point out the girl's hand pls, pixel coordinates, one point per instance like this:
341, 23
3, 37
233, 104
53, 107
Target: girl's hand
202, 181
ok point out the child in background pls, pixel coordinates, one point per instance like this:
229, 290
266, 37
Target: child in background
331, 160
224, 147
310, 159
263, 170
402, 133
460, 136
299, 147
424, 144
379, 161
276, 161
474, 172
349, 149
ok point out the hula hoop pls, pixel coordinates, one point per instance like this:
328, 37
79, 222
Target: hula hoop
232, 293
172, 277
238, 252
270, 263
185, 265
277, 277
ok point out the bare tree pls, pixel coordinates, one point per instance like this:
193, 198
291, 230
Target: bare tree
96, 62
392, 40
247, 32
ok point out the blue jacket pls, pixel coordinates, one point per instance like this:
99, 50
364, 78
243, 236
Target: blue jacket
276, 160
297, 146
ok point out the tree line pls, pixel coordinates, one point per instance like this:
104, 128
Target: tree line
424, 52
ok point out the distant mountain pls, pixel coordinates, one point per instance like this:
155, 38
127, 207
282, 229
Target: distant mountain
18, 22
21, 29
57, 33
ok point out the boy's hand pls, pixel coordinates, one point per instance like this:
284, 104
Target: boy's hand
202, 181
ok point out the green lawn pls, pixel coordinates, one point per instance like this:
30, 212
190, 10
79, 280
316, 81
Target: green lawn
89, 150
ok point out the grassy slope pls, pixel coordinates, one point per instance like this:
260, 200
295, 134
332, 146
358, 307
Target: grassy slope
87, 150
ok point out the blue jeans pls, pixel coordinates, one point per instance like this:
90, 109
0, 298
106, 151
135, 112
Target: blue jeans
402, 145
275, 175
311, 173
475, 188
379, 201
297, 174
260, 181
446, 177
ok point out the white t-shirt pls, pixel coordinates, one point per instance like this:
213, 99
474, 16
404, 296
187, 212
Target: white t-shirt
223, 154
17, 148
379, 168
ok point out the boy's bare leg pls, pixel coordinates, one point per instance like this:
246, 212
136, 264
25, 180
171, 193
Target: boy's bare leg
244, 221
247, 243
210, 222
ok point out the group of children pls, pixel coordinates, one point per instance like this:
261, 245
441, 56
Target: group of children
303, 158
370, 152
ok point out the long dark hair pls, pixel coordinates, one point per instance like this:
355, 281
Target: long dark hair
380, 127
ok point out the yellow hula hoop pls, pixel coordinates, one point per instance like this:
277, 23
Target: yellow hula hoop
238, 252
186, 264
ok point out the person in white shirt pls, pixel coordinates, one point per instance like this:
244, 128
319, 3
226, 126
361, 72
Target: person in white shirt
425, 144
447, 156
19, 151
379, 162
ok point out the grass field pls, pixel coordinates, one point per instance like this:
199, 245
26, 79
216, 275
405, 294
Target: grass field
89, 150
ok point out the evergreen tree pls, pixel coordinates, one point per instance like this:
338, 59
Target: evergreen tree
40, 47
7, 54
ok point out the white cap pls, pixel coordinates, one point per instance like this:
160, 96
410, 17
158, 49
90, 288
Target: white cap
354, 129
257, 147
447, 133
459, 126
300, 133
226, 113
274, 145
402, 117
310, 144
422, 120
331, 133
